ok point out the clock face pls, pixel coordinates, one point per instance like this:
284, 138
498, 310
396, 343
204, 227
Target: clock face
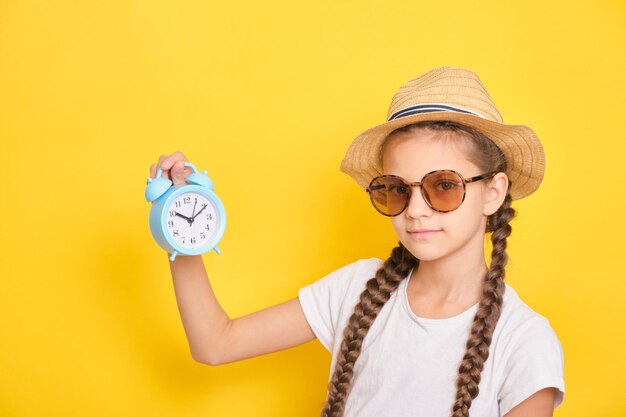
191, 220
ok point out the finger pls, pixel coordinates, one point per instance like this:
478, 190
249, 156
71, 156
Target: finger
168, 161
153, 170
187, 171
162, 158
178, 172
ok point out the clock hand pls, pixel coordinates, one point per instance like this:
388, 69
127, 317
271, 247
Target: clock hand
194, 208
203, 207
184, 217
192, 213
190, 219
198, 213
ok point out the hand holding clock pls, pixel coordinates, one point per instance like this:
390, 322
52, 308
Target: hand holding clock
173, 167
182, 191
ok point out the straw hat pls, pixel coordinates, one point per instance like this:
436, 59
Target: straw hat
457, 95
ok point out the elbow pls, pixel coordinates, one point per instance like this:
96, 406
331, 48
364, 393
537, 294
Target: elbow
205, 359
212, 354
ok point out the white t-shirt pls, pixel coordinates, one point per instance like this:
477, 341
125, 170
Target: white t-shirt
408, 365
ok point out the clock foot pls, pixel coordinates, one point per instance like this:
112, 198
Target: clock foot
217, 250
173, 256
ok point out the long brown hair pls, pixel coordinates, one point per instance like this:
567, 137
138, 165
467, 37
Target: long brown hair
387, 279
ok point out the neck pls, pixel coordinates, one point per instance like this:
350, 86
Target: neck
457, 277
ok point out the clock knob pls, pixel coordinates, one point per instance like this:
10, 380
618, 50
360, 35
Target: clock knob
157, 186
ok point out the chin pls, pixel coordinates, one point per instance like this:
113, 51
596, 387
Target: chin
421, 251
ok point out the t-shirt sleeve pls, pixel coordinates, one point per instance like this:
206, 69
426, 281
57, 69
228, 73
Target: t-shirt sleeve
327, 301
535, 361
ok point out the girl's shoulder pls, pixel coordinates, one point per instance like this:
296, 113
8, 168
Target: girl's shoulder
516, 310
365, 265
328, 302
520, 321
350, 276
528, 355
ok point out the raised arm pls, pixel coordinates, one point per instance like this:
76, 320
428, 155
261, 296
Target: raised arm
213, 337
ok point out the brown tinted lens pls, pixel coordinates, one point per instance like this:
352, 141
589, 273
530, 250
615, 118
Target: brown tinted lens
444, 190
389, 195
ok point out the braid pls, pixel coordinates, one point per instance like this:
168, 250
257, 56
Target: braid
488, 311
377, 292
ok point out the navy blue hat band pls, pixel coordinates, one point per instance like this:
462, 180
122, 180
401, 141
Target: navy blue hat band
429, 108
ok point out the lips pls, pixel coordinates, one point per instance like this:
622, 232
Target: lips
423, 232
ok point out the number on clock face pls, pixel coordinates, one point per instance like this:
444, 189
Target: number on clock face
191, 220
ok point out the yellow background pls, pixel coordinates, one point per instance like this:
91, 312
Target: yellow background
267, 96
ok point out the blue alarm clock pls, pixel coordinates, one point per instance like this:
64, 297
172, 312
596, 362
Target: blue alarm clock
185, 219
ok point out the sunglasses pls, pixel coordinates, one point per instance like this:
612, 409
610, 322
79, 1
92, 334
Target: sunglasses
443, 191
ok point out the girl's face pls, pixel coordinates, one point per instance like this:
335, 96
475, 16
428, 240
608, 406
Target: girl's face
430, 235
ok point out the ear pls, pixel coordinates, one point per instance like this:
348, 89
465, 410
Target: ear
495, 193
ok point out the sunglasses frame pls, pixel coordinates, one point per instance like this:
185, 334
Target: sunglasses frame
464, 181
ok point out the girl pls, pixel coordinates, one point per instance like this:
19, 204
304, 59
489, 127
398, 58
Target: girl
429, 329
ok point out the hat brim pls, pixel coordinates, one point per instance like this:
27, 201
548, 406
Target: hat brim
521, 146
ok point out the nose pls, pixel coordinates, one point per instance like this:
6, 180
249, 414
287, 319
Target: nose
417, 206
